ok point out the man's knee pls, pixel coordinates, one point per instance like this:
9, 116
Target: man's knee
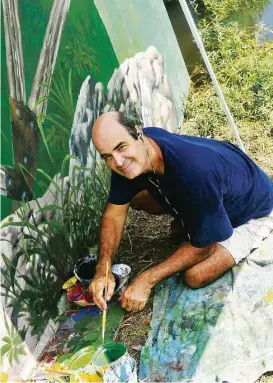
210, 269
194, 280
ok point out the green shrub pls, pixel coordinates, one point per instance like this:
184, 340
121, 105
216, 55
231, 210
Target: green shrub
243, 66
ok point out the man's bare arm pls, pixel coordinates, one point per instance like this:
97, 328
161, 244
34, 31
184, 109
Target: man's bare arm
111, 231
137, 293
110, 235
182, 259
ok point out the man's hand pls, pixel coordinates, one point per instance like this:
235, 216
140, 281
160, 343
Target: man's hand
97, 287
135, 297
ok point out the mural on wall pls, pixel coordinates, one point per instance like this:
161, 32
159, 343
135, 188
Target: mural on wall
63, 195
50, 46
133, 25
25, 132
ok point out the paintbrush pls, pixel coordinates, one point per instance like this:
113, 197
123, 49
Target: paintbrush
105, 297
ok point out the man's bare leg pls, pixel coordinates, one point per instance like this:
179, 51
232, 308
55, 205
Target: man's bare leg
206, 271
212, 268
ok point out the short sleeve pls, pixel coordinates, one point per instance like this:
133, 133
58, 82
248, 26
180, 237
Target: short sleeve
122, 190
208, 219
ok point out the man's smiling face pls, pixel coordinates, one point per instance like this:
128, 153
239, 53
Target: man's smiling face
123, 153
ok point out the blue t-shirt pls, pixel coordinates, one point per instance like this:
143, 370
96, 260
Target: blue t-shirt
213, 185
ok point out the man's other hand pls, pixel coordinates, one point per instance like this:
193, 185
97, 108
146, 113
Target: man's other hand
97, 287
135, 297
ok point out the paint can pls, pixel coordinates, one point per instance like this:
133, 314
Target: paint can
114, 357
80, 295
124, 370
121, 273
85, 269
82, 365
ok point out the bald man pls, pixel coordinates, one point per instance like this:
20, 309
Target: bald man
223, 200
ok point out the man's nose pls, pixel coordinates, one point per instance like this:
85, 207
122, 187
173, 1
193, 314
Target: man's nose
118, 159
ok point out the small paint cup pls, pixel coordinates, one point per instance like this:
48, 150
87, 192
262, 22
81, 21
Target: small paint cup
107, 355
121, 273
85, 269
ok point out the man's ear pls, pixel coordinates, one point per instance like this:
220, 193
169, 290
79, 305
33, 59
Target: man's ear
138, 129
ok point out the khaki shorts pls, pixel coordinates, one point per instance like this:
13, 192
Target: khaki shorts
248, 237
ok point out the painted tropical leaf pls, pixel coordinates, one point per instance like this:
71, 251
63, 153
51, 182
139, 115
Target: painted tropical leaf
6, 339
5, 349
21, 351
11, 331
17, 339
15, 355
10, 356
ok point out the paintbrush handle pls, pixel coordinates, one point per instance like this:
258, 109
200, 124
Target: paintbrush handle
105, 297
106, 281
103, 324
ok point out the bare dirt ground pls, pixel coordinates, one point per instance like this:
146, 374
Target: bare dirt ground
147, 241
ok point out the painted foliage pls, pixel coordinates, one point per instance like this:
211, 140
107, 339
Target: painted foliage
64, 79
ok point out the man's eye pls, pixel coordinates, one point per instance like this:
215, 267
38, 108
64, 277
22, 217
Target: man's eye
120, 148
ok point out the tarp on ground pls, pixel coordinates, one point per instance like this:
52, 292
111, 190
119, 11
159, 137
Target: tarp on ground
220, 333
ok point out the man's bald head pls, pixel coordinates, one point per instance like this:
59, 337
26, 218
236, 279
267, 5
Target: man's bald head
120, 143
111, 120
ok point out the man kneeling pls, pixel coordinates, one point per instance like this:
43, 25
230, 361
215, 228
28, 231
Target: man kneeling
222, 199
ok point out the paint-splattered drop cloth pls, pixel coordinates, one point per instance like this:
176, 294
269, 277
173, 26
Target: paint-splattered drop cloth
223, 332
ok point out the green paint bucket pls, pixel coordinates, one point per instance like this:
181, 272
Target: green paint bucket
108, 354
112, 361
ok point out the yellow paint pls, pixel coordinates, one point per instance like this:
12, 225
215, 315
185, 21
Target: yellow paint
57, 367
81, 359
79, 378
268, 298
70, 283
3, 377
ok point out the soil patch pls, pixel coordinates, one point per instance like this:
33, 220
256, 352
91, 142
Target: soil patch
147, 241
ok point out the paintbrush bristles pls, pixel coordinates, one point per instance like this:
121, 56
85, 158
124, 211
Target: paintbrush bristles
105, 297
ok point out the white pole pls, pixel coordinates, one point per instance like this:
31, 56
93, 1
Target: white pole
200, 45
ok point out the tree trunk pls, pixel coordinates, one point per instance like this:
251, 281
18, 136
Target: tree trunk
48, 54
14, 52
